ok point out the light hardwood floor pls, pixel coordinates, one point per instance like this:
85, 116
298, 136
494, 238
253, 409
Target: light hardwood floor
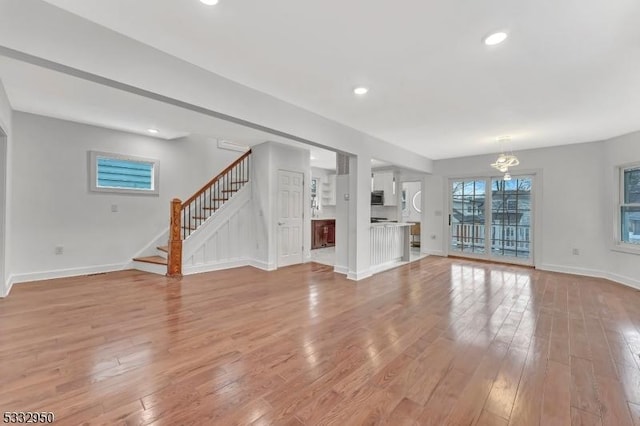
439, 341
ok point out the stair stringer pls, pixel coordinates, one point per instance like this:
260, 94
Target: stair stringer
224, 240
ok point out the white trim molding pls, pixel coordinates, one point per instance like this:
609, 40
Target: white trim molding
265, 266
67, 273
6, 289
340, 269
215, 266
594, 273
359, 275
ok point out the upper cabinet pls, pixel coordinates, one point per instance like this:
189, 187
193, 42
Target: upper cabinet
385, 181
328, 191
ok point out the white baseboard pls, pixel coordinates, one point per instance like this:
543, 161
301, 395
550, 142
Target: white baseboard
388, 265
262, 265
64, 273
6, 289
359, 275
571, 270
621, 279
217, 266
595, 273
340, 269
435, 253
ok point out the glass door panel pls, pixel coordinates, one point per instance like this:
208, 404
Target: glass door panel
468, 216
511, 218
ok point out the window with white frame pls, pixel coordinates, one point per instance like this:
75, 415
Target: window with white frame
629, 208
123, 174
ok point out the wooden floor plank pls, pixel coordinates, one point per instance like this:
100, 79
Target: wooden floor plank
556, 406
434, 342
584, 418
583, 386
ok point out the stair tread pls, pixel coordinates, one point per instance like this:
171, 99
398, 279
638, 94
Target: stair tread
219, 199
158, 260
210, 208
229, 190
163, 248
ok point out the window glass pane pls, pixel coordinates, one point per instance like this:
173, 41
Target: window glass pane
124, 174
630, 226
511, 217
467, 216
632, 186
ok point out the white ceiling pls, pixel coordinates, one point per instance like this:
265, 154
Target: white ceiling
41, 91
568, 72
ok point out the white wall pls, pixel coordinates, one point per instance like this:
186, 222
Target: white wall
390, 212
573, 198
52, 204
5, 191
267, 159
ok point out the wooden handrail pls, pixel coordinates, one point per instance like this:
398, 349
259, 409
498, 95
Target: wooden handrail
215, 179
187, 216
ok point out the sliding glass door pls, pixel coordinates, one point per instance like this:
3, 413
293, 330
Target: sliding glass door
492, 219
468, 216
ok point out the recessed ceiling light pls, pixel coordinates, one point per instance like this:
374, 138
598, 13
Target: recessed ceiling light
154, 131
312, 158
495, 38
360, 90
209, 2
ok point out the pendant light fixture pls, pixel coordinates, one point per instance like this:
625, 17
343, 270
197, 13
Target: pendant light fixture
506, 159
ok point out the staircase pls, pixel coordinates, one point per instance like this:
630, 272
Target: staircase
188, 216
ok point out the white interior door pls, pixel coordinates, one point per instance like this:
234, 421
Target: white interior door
290, 208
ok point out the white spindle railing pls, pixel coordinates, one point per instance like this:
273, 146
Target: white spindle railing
507, 237
389, 243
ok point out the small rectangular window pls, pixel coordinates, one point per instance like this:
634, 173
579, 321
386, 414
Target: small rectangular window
123, 174
629, 209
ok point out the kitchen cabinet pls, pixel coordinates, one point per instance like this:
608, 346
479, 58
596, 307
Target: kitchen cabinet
323, 233
385, 181
329, 191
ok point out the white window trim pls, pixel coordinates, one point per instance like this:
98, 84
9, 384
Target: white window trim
93, 178
618, 244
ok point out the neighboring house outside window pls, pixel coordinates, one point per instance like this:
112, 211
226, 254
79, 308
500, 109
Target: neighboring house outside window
123, 174
629, 208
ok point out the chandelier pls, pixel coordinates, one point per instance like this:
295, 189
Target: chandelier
506, 159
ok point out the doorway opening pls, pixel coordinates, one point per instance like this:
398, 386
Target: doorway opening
411, 212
